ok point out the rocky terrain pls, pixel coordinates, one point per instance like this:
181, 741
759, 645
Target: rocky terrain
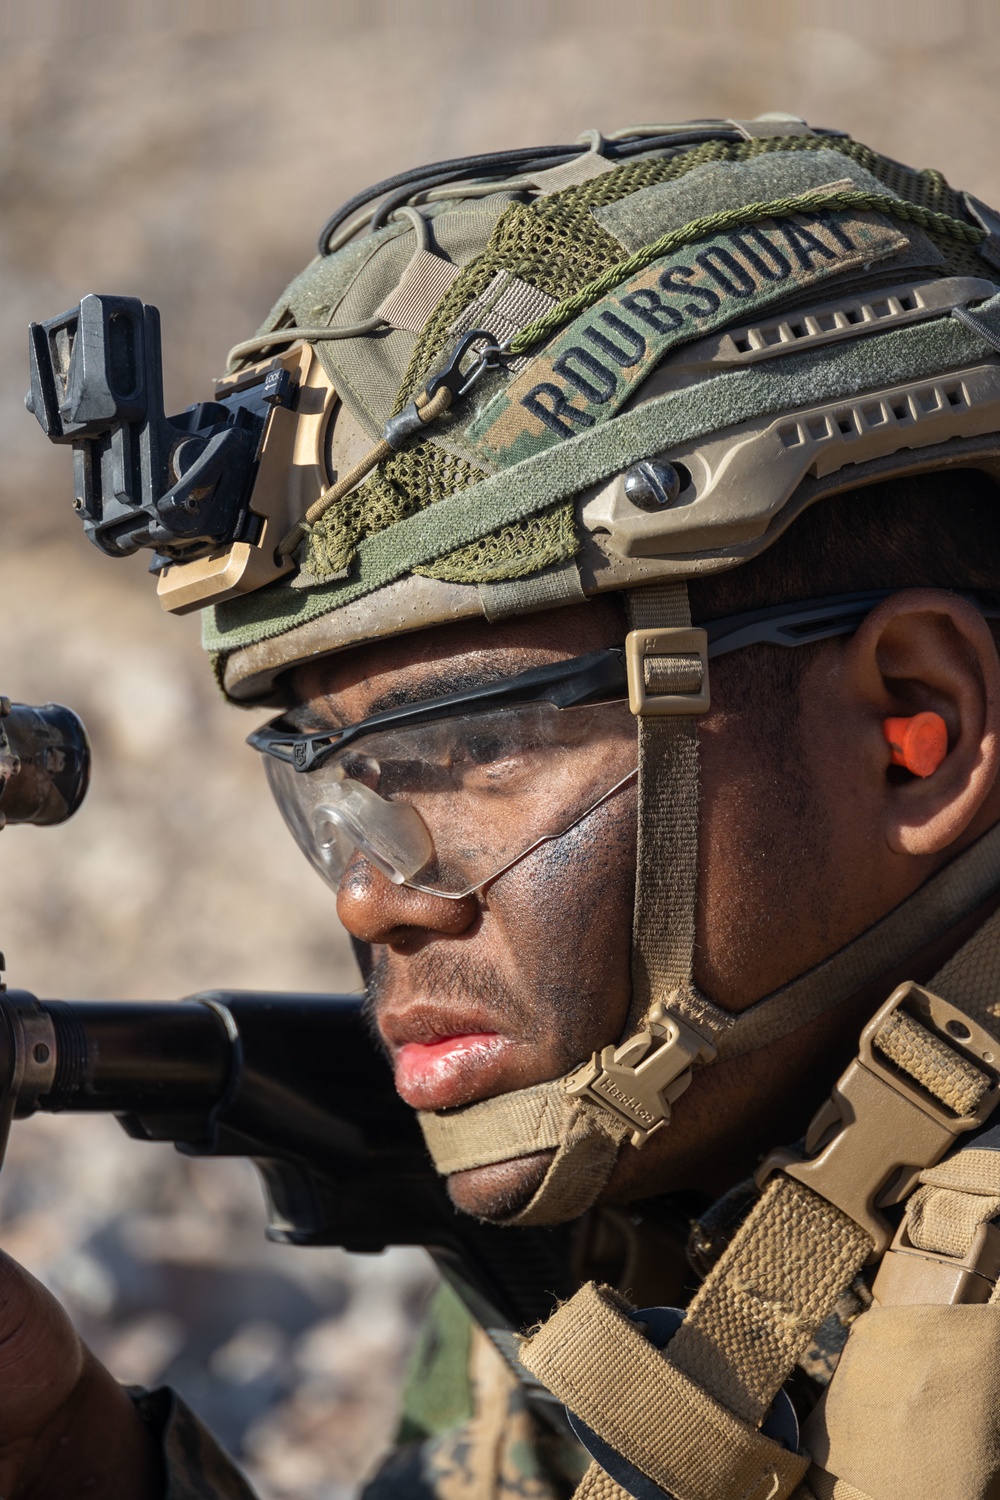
188, 155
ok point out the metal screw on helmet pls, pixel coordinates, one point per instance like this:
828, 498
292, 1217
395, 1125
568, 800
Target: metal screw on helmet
650, 485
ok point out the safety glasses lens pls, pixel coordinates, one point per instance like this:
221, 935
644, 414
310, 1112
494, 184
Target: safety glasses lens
447, 805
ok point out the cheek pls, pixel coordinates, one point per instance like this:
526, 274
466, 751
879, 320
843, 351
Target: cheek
563, 918
766, 899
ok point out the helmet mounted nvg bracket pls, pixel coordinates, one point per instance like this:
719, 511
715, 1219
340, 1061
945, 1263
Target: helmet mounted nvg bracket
182, 486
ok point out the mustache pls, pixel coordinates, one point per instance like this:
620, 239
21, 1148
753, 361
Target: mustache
456, 981
451, 979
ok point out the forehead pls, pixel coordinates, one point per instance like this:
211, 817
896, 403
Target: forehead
452, 657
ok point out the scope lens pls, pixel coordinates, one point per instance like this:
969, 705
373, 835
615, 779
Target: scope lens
48, 765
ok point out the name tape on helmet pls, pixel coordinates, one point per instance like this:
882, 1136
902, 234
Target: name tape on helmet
597, 362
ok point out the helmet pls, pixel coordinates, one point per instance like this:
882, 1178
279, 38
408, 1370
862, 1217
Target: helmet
518, 381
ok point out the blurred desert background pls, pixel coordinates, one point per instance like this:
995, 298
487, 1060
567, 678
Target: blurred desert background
188, 155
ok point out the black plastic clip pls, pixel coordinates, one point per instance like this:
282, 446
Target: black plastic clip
459, 381
452, 378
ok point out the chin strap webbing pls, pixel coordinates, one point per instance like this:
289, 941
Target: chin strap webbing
586, 1141
567, 1113
667, 846
689, 1416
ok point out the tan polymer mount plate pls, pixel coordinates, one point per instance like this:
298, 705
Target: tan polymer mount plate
743, 478
291, 474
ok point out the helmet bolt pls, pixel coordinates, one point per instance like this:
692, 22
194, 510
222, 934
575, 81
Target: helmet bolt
650, 485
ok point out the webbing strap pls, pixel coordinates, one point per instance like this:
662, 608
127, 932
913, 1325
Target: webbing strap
421, 287
587, 1141
971, 978
779, 1277
461, 1139
667, 849
646, 1404
948, 1076
963, 1192
753, 1317
688, 1417
597, 1484
954, 1199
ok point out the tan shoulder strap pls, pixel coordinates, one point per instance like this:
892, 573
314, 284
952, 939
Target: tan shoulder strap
927, 1072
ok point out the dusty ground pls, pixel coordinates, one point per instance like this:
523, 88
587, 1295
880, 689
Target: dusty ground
177, 154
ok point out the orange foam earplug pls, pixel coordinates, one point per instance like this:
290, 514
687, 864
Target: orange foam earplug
919, 743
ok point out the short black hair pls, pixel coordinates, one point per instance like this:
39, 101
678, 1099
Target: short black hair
937, 530
940, 529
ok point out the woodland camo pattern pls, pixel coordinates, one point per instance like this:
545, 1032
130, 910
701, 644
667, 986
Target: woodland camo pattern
502, 1451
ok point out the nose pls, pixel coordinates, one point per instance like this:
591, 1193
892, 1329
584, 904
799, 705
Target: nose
374, 910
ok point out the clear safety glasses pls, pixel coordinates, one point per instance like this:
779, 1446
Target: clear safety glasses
444, 795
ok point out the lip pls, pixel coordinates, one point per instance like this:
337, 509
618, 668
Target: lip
447, 1071
442, 1057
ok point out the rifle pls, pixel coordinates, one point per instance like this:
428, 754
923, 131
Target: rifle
295, 1083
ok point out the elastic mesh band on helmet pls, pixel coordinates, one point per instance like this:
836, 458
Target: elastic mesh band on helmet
557, 244
407, 482
514, 551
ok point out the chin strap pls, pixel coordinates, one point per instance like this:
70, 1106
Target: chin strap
626, 1091
586, 1140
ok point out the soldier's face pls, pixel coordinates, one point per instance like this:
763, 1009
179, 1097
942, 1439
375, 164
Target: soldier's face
524, 979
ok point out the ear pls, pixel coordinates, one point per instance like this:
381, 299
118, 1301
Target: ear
927, 649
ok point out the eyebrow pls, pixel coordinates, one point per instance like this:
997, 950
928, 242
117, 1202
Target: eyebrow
305, 718
439, 685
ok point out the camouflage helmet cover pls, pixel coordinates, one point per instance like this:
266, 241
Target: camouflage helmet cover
768, 312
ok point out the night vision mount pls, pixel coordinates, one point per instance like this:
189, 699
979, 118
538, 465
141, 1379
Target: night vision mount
211, 490
142, 479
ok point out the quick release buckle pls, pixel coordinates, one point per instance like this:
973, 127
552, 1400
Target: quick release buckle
910, 1276
667, 671
880, 1128
642, 1078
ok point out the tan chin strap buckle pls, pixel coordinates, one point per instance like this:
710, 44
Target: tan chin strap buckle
667, 671
888, 1118
640, 1080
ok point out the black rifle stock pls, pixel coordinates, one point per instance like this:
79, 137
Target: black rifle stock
295, 1083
